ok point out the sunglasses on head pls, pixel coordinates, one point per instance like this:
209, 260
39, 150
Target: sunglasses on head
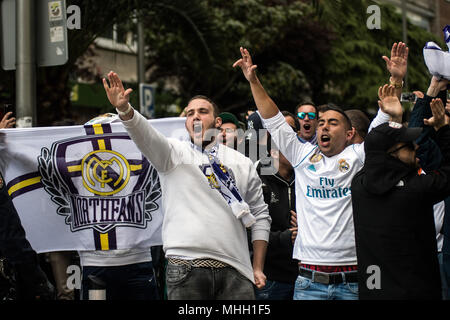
302, 115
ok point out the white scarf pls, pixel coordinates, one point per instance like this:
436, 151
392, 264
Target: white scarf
229, 190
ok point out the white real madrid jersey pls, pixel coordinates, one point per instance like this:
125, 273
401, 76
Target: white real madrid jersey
323, 192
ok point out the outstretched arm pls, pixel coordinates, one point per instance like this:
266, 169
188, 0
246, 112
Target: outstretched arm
266, 107
153, 144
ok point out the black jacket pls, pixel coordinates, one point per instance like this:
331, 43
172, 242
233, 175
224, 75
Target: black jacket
394, 224
31, 280
279, 195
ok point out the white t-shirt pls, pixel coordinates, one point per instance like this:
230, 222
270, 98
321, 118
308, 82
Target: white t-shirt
323, 195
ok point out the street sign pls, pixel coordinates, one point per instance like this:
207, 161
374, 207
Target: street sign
147, 99
51, 33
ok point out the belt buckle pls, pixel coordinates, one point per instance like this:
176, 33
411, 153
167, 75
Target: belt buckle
321, 277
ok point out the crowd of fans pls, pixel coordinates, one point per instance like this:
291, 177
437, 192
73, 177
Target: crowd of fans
318, 204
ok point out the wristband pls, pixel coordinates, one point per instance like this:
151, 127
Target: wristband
124, 113
396, 85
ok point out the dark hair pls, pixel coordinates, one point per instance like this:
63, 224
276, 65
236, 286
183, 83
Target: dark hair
333, 107
288, 114
359, 121
322, 108
216, 110
306, 103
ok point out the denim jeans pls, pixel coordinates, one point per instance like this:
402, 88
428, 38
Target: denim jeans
129, 282
274, 290
306, 289
192, 283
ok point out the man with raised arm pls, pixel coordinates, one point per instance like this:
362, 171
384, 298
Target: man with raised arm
210, 194
325, 244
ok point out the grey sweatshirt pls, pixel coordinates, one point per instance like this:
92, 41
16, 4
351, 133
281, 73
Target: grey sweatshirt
198, 222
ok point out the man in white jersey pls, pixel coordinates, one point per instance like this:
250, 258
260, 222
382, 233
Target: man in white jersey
325, 245
210, 194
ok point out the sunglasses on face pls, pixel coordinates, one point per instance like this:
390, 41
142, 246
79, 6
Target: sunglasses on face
302, 115
410, 145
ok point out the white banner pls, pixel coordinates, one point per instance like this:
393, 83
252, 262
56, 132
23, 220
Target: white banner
84, 187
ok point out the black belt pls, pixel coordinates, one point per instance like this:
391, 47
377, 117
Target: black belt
328, 278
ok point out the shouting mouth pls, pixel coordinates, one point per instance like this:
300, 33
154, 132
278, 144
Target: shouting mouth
307, 127
325, 140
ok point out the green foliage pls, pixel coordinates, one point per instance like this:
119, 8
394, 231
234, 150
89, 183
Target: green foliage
319, 50
195, 47
354, 68
305, 50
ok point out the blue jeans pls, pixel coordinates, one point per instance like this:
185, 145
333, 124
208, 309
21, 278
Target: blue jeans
274, 290
130, 282
306, 289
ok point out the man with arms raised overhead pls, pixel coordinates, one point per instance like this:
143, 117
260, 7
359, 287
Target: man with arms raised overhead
325, 244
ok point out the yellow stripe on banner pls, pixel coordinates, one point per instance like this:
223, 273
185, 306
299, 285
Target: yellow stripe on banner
98, 129
101, 144
23, 184
135, 167
104, 243
74, 168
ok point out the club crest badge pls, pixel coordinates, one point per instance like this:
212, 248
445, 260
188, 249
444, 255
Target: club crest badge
315, 158
96, 186
343, 165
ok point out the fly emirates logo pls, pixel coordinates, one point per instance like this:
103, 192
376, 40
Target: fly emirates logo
327, 190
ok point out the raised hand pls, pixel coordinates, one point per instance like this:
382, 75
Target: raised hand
117, 95
397, 65
7, 122
437, 121
247, 66
436, 85
389, 102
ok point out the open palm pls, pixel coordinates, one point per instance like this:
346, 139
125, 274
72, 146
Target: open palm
117, 95
397, 65
389, 102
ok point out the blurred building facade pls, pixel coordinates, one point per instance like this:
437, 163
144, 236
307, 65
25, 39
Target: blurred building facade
432, 15
115, 50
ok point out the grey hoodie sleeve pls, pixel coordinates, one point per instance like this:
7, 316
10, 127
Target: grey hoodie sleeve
153, 144
254, 198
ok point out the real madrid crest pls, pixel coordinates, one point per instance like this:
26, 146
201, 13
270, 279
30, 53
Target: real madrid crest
343, 165
315, 158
